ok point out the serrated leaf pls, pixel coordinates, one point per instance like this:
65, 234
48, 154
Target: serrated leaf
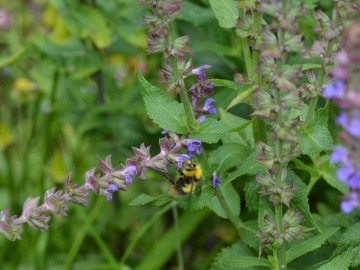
351, 236
252, 195
232, 199
248, 234
210, 131
225, 12
309, 245
235, 250
164, 111
227, 156
322, 115
245, 262
340, 262
300, 200
142, 199
315, 140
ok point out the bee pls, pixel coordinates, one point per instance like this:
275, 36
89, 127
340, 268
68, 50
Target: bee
189, 177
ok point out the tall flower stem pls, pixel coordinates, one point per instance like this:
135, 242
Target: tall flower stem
280, 250
259, 127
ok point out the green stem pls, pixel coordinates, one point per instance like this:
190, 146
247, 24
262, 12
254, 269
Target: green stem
311, 184
141, 232
190, 117
180, 256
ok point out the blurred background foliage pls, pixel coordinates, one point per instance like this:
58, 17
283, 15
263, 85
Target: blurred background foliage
68, 95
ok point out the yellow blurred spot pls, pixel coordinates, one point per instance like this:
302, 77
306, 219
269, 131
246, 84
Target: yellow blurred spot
57, 168
116, 59
49, 17
6, 138
24, 87
60, 32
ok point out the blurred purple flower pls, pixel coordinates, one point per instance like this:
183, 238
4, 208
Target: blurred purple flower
215, 180
350, 202
340, 154
336, 89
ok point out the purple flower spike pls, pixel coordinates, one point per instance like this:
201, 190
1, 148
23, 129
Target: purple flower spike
336, 89
194, 147
128, 173
181, 159
208, 107
351, 201
215, 180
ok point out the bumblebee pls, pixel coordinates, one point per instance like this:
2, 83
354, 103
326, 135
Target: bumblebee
190, 176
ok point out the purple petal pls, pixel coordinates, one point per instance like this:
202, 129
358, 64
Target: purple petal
200, 70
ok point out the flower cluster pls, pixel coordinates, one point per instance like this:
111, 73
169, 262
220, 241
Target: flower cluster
344, 90
200, 90
177, 68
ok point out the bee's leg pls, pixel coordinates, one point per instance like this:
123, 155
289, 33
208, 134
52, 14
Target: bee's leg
171, 181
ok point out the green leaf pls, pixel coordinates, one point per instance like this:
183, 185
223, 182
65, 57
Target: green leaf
243, 134
315, 140
195, 14
227, 156
210, 131
252, 195
142, 199
231, 84
243, 97
248, 166
300, 200
225, 11
248, 233
351, 236
245, 262
340, 262
87, 22
301, 248
5, 61
232, 199
163, 110
233, 251
194, 202
322, 115
328, 172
